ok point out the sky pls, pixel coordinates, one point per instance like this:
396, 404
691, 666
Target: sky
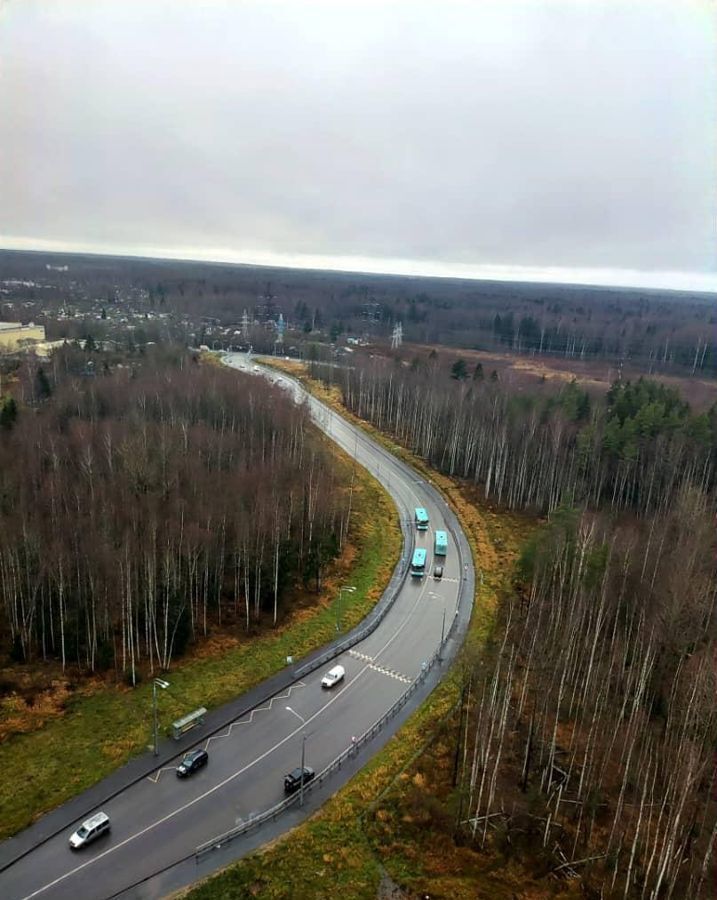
559, 140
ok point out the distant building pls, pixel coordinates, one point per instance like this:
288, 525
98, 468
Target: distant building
44, 349
14, 336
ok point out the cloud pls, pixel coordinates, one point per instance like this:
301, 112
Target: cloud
483, 137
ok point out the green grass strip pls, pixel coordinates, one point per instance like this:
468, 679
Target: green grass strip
102, 729
331, 854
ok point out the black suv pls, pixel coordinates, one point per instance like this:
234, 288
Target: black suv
292, 781
191, 762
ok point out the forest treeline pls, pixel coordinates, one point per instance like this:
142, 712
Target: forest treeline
633, 450
591, 736
141, 505
587, 735
655, 330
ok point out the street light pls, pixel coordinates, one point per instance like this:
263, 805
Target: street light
443, 622
349, 590
303, 753
156, 682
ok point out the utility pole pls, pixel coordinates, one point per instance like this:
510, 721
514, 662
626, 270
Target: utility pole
156, 682
349, 590
303, 752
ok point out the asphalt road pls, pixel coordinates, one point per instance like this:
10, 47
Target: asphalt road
162, 819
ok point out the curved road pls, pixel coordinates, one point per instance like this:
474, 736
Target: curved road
161, 819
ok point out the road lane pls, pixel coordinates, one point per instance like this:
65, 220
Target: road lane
158, 821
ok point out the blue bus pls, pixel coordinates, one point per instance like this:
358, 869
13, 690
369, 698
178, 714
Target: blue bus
421, 519
441, 547
418, 563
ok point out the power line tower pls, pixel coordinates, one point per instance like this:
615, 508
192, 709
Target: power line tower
245, 327
279, 341
397, 336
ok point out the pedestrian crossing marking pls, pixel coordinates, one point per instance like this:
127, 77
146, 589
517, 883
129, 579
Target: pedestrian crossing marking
390, 672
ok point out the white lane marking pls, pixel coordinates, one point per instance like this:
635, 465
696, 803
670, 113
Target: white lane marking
358, 655
250, 719
230, 777
216, 737
405, 622
236, 774
156, 776
392, 673
203, 796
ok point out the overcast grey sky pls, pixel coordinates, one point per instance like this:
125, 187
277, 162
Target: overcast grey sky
545, 139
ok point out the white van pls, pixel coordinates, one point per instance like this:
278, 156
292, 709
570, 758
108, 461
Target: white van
333, 676
90, 829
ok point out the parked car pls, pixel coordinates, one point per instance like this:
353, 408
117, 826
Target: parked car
293, 781
192, 761
333, 676
90, 830
438, 572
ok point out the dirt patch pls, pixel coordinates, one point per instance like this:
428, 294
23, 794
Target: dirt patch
26, 710
523, 372
389, 890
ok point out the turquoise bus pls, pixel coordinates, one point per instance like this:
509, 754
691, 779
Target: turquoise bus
421, 519
418, 563
441, 547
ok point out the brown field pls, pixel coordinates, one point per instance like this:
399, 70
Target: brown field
523, 372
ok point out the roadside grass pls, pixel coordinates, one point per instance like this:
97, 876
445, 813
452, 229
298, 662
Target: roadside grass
96, 727
330, 855
382, 820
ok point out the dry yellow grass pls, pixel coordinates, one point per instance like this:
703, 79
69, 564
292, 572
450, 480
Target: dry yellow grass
430, 864
45, 717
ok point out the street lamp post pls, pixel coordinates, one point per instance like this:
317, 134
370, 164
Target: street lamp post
443, 623
156, 682
349, 590
303, 752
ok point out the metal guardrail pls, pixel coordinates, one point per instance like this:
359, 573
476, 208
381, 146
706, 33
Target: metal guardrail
373, 619
369, 625
219, 841
378, 613
270, 814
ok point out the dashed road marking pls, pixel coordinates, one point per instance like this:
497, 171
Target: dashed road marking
390, 672
364, 657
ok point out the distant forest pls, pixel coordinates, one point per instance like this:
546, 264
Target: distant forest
588, 726
140, 505
659, 331
631, 450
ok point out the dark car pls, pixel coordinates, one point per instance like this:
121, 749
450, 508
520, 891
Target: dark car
191, 762
438, 572
293, 781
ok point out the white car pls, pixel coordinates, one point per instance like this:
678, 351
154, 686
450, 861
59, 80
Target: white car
333, 676
90, 830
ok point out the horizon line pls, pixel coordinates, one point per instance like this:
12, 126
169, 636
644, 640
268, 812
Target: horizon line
662, 280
